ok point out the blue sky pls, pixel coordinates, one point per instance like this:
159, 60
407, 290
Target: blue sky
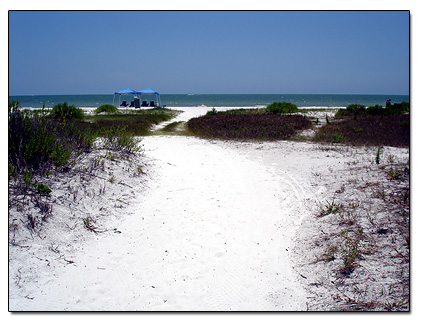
308, 52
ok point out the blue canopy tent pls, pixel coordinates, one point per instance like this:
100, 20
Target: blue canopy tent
149, 91
125, 91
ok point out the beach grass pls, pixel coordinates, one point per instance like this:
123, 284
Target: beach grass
137, 122
367, 130
363, 231
171, 127
43, 144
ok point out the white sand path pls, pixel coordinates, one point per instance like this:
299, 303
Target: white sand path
210, 234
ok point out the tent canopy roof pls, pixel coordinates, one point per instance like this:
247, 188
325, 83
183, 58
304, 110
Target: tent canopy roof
125, 91
147, 91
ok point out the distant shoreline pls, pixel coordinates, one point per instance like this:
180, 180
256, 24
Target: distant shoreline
212, 100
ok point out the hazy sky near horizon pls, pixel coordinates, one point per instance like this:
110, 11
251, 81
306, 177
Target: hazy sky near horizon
304, 52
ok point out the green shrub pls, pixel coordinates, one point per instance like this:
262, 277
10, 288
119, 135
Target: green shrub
41, 188
329, 208
376, 110
338, 137
118, 138
356, 109
372, 130
38, 143
212, 112
65, 111
352, 109
136, 122
106, 108
398, 108
281, 107
243, 126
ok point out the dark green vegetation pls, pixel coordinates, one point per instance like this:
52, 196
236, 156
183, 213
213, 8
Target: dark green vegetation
65, 111
137, 122
38, 143
106, 108
372, 126
358, 109
262, 124
281, 107
42, 144
172, 126
355, 125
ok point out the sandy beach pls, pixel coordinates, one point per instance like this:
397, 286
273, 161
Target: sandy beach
206, 225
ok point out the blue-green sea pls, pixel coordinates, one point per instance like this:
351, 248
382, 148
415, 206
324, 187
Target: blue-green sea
213, 100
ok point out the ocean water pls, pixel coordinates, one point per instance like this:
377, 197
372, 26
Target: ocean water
213, 100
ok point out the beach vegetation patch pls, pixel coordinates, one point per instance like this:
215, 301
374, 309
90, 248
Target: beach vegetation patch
38, 147
331, 254
369, 130
214, 112
38, 143
282, 107
41, 188
353, 249
329, 208
358, 109
119, 139
65, 111
136, 122
171, 127
245, 126
89, 224
42, 146
108, 108
394, 174
366, 240
378, 154
338, 137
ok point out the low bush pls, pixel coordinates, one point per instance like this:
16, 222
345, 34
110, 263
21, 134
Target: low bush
137, 123
281, 107
236, 111
106, 108
37, 143
375, 110
358, 109
371, 130
120, 139
42, 145
172, 126
213, 112
264, 126
65, 111
398, 108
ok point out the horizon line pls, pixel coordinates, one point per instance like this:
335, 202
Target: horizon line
215, 94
